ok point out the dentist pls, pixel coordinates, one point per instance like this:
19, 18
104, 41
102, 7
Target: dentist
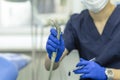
95, 33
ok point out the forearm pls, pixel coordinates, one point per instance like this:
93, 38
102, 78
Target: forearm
48, 63
56, 64
116, 73
112, 74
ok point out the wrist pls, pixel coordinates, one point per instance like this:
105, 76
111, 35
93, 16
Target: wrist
109, 74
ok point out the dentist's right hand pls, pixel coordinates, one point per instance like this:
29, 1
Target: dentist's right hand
55, 45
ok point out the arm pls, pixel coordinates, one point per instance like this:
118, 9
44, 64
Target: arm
56, 64
52, 43
116, 73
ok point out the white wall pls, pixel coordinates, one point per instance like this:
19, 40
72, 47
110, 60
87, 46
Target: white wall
77, 6
15, 14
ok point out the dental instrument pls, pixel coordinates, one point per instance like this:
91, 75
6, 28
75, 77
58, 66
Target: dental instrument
54, 53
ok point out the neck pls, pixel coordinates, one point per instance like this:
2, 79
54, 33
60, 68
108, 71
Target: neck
104, 14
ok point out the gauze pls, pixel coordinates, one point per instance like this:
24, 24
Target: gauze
95, 5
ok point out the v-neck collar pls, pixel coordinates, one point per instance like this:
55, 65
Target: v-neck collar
113, 20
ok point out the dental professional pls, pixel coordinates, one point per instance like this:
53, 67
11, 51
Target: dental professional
95, 33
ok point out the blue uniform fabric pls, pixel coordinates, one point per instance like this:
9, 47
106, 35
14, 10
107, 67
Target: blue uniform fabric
8, 71
81, 34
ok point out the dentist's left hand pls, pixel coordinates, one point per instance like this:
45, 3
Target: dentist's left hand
91, 70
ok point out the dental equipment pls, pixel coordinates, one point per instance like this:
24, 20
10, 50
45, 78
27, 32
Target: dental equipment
54, 53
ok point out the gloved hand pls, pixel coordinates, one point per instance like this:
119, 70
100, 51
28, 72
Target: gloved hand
90, 69
18, 60
55, 45
8, 71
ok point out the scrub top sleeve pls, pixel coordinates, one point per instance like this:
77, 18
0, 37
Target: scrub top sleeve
69, 37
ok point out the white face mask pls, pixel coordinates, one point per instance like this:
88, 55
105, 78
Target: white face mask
95, 5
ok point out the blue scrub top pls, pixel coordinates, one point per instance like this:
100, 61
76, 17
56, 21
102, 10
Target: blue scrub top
80, 33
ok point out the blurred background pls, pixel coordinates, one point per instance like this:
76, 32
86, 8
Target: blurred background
24, 28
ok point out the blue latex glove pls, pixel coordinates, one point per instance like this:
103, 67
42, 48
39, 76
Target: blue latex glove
8, 71
19, 60
90, 69
54, 44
